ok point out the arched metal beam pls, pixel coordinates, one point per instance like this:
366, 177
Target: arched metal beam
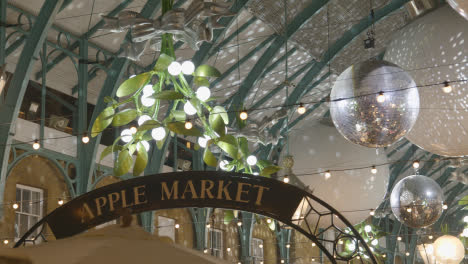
109, 88
9, 109
253, 76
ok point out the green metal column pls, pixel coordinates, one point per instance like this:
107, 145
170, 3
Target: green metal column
3, 7
9, 110
283, 236
245, 237
199, 216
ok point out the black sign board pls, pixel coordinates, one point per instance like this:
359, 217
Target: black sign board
176, 190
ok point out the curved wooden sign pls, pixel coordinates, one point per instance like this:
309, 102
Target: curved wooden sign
215, 189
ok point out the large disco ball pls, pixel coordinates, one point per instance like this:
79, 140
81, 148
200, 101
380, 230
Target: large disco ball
417, 201
434, 49
359, 115
318, 147
461, 6
449, 250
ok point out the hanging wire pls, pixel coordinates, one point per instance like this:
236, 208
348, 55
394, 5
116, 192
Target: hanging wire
286, 69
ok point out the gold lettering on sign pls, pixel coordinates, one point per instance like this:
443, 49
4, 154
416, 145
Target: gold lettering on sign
192, 190
139, 191
100, 202
173, 192
88, 211
260, 193
206, 190
124, 199
240, 191
113, 198
223, 189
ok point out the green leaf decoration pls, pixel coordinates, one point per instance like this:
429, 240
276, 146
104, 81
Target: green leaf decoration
270, 170
201, 81
219, 111
102, 121
109, 99
123, 164
124, 117
209, 158
108, 150
178, 115
264, 163
131, 149
228, 216
463, 201
179, 128
160, 143
228, 143
132, 85
141, 160
163, 62
167, 95
218, 126
244, 147
148, 125
206, 71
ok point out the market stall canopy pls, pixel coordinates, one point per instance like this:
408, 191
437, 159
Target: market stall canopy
112, 244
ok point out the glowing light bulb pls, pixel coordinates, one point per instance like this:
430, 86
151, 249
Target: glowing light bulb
239, 223
288, 245
327, 174
189, 109
381, 97
126, 135
313, 260
409, 210
85, 138
174, 68
256, 173
36, 144
5, 241
146, 145
368, 228
251, 160
399, 238
205, 251
384, 255
260, 246
445, 206
188, 125
158, 133
208, 226
282, 261
430, 237
372, 212
228, 249
15, 206
223, 165
407, 254
133, 130
358, 257
447, 87
268, 220
142, 119
286, 179
60, 202
243, 115
465, 219
375, 242
416, 164
148, 90
373, 170
147, 101
203, 93
177, 226
188, 67
301, 109
202, 141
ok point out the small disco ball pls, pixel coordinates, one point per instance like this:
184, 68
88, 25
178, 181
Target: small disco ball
417, 201
374, 103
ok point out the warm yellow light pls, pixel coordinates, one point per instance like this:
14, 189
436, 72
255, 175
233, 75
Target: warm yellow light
188, 125
15, 206
177, 226
205, 251
208, 226
449, 249
260, 246
381, 97
60, 202
288, 245
85, 139
399, 238
372, 212
416, 164
133, 130
431, 237
282, 261
408, 210
239, 223
5, 241
301, 109
243, 115
327, 174
313, 244
228, 249
407, 254
384, 255
445, 206
188, 144
447, 87
373, 170
286, 179
269, 221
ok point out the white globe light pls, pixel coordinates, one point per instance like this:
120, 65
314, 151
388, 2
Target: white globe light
433, 50
223, 165
449, 250
251, 160
465, 232
126, 135
189, 109
375, 242
174, 68
143, 119
146, 145
158, 133
352, 192
148, 90
203, 93
146, 101
465, 219
188, 67
367, 228
202, 141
